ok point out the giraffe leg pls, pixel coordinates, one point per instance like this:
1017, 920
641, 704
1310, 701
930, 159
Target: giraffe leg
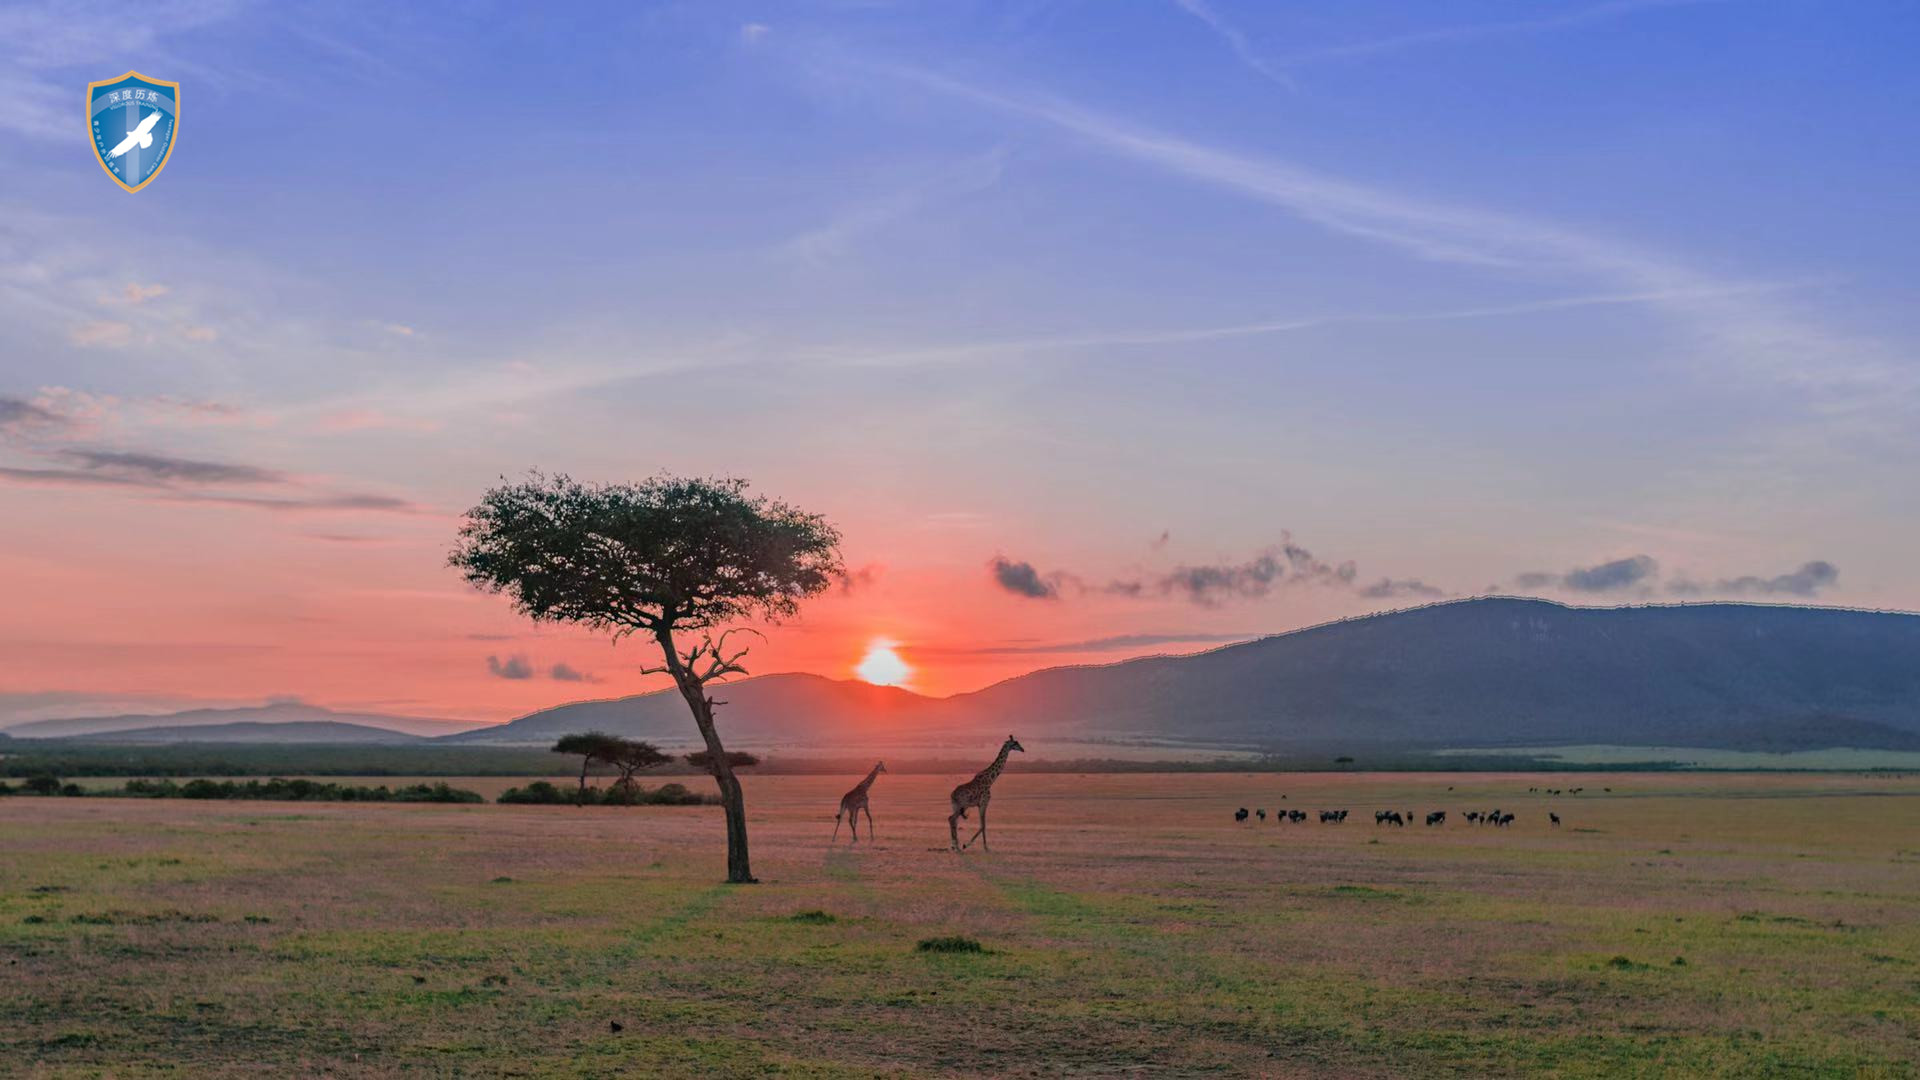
869, 824
981, 832
836, 824
953, 828
853, 822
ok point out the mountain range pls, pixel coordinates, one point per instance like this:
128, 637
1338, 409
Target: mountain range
262, 718
1475, 673
1487, 672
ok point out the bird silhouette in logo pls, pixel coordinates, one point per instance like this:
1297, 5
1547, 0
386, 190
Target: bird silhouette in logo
141, 136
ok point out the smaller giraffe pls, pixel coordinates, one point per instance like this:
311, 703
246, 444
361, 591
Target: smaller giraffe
976, 792
855, 801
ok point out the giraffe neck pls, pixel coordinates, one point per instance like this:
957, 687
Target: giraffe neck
992, 772
868, 782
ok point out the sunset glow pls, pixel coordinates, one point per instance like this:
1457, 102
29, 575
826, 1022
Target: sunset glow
882, 666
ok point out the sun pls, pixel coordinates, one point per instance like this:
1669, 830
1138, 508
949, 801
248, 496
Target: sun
882, 666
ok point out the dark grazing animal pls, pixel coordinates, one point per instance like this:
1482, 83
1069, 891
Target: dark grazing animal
1438, 817
1240, 814
1261, 813
1553, 817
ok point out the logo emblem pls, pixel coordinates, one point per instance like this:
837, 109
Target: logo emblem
133, 120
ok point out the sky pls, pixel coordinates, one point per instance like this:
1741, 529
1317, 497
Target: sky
1098, 328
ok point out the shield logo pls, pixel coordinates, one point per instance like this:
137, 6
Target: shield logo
133, 120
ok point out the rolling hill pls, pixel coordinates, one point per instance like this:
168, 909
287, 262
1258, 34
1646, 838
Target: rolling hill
328, 732
1500, 671
778, 708
1476, 673
269, 715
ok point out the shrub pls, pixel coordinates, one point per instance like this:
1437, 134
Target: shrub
281, 790
441, 792
677, 795
43, 784
540, 793
152, 789
951, 943
817, 918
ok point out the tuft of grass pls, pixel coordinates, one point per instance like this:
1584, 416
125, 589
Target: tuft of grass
1365, 892
501, 880
950, 943
817, 917
132, 918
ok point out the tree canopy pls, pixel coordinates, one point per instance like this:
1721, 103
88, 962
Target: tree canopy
668, 553
739, 759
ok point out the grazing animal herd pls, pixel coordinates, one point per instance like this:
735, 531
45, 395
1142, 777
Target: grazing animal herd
1496, 817
977, 792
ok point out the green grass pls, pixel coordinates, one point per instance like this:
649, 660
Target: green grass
1123, 925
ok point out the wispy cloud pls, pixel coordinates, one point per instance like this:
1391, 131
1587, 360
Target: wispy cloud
567, 673
1235, 40
1614, 575
21, 413
110, 333
518, 668
1808, 580
37, 38
162, 469
138, 293
1461, 33
1114, 643
1107, 339
1021, 579
513, 667
833, 239
1283, 565
169, 478
1641, 573
1718, 312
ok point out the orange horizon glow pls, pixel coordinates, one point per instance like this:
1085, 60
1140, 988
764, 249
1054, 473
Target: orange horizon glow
882, 665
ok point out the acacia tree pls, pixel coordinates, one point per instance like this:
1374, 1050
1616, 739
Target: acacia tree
664, 557
629, 756
592, 746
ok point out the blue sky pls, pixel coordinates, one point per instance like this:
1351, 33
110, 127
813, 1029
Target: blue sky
1455, 293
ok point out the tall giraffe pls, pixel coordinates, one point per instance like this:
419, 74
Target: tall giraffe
976, 792
855, 801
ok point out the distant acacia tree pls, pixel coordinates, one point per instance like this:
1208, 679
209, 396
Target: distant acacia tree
629, 756
662, 557
738, 759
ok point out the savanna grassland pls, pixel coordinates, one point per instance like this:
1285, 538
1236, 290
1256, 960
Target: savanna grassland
1688, 924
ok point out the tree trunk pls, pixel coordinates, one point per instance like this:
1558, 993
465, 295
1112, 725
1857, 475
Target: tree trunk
732, 798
